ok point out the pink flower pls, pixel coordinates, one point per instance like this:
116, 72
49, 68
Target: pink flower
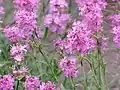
25, 18
57, 18
19, 72
69, 66
78, 40
30, 5
115, 20
13, 33
56, 5
6, 82
26, 21
47, 86
99, 3
17, 52
57, 22
60, 44
32, 83
91, 11
115, 23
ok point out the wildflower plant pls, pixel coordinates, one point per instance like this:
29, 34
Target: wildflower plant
45, 47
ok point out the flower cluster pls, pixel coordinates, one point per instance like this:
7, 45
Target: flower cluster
57, 18
30, 5
69, 66
22, 30
25, 20
12, 33
91, 11
6, 82
115, 23
17, 52
32, 83
19, 72
79, 40
47, 86
26, 17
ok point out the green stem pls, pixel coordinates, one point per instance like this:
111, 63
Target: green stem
94, 72
72, 83
17, 85
45, 58
85, 80
99, 62
38, 68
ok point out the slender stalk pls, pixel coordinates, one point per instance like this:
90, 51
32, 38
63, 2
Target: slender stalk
85, 81
38, 68
64, 83
45, 58
99, 62
94, 72
17, 85
72, 83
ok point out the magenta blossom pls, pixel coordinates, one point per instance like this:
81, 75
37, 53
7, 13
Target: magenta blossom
25, 18
30, 5
32, 83
47, 86
79, 40
115, 23
56, 22
58, 5
12, 33
6, 82
17, 52
69, 66
57, 18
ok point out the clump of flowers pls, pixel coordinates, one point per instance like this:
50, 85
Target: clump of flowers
19, 72
6, 82
30, 5
32, 83
13, 33
26, 17
81, 37
91, 12
17, 52
79, 40
26, 21
69, 66
47, 86
57, 18
115, 23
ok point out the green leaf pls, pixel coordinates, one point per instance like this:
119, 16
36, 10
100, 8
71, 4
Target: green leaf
3, 63
59, 73
45, 33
